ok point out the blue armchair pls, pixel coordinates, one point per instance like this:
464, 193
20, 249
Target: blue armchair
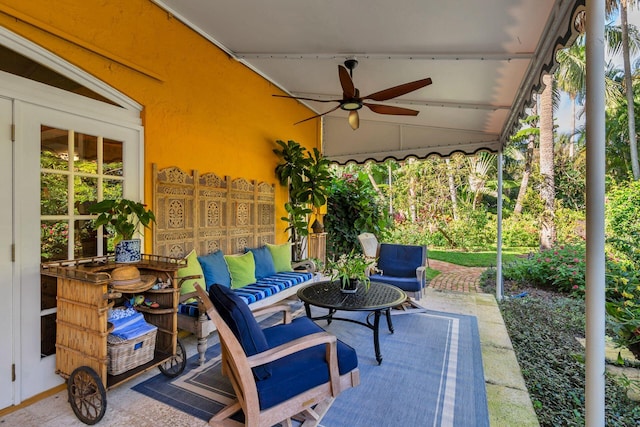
402, 266
295, 369
398, 265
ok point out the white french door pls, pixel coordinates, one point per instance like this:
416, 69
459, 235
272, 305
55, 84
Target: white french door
66, 161
7, 353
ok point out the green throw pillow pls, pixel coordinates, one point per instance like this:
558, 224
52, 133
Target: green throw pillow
281, 256
193, 268
242, 269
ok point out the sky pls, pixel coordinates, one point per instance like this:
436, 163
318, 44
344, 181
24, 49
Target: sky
563, 114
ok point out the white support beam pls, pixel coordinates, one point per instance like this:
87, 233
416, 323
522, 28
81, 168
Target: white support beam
595, 258
499, 291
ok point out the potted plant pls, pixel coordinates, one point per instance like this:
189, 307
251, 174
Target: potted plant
350, 270
308, 178
123, 217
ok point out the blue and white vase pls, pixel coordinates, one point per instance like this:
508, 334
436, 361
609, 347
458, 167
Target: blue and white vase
128, 251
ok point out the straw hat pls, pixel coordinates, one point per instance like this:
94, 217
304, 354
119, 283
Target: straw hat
128, 279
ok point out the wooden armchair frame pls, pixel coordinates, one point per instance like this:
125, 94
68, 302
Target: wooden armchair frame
308, 407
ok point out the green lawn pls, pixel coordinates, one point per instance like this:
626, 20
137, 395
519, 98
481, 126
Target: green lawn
479, 258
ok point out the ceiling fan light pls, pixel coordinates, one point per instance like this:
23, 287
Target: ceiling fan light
351, 105
354, 120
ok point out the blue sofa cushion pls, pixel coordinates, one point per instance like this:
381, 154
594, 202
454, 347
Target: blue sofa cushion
264, 262
400, 260
215, 269
300, 371
236, 313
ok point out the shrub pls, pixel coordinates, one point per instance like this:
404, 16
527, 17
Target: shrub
623, 220
520, 231
561, 268
623, 302
570, 225
352, 208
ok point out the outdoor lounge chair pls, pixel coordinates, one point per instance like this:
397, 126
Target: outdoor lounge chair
398, 265
291, 370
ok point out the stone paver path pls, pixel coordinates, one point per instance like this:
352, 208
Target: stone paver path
455, 277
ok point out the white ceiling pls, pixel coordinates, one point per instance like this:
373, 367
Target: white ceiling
484, 58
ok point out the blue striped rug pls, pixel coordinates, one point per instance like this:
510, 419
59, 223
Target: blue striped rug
431, 375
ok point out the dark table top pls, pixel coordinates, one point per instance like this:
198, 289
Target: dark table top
328, 295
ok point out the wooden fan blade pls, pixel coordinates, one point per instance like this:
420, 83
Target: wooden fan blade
348, 88
395, 91
307, 99
354, 119
390, 109
318, 115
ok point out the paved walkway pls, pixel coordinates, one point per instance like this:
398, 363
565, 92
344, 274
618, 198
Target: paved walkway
455, 277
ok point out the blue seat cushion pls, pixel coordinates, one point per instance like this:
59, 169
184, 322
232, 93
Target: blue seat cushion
262, 289
237, 315
271, 285
300, 371
407, 284
401, 260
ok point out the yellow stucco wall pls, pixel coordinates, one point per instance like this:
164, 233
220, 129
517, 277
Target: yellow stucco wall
202, 109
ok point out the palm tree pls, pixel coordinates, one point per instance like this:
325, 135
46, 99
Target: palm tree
547, 188
571, 78
480, 167
528, 133
626, 46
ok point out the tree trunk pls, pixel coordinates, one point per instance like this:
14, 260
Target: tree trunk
452, 190
390, 189
633, 140
572, 149
547, 189
525, 175
412, 195
412, 199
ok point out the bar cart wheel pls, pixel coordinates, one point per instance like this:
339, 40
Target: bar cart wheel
174, 365
87, 395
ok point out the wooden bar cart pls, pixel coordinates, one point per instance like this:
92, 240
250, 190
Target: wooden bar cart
84, 298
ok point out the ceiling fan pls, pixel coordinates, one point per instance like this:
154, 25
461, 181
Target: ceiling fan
352, 101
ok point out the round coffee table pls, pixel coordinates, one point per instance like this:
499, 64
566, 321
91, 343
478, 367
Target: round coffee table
378, 298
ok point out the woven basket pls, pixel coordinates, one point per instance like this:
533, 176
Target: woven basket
127, 354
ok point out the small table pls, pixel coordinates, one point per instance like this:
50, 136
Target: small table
380, 297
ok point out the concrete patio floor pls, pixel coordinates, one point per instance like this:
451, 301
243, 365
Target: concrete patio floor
508, 399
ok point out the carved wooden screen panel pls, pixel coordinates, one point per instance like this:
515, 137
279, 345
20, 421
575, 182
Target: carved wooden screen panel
213, 218
265, 214
242, 214
174, 206
208, 213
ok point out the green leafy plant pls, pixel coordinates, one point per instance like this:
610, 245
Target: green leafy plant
348, 267
307, 175
122, 217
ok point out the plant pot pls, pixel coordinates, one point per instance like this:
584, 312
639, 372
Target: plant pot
351, 287
128, 251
